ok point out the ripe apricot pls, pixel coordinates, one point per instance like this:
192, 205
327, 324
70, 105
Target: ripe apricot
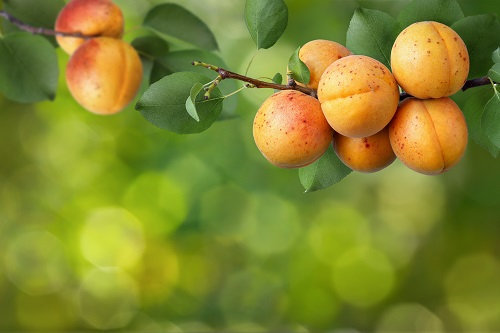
104, 75
318, 55
290, 129
365, 154
358, 95
429, 136
100, 18
430, 60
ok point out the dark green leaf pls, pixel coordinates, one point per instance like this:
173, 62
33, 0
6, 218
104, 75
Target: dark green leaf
372, 33
266, 21
325, 172
278, 78
481, 35
490, 121
151, 46
495, 56
180, 61
473, 112
164, 104
298, 69
443, 11
176, 21
494, 72
28, 68
191, 101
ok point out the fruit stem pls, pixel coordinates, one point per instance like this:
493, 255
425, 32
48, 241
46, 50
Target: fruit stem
39, 30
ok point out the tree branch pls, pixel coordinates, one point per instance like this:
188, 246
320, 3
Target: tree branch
38, 30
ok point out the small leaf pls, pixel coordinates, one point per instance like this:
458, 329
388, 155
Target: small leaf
495, 56
372, 33
325, 172
176, 21
481, 35
278, 78
266, 21
473, 112
299, 70
494, 72
164, 104
443, 11
151, 46
28, 68
490, 121
191, 101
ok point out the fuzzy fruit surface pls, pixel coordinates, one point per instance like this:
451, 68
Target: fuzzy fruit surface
366, 155
429, 136
358, 95
104, 75
100, 18
318, 55
430, 60
290, 129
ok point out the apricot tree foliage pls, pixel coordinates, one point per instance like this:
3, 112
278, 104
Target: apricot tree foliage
190, 89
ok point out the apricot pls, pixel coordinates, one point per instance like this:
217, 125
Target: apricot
96, 18
430, 60
358, 95
318, 55
365, 154
290, 129
104, 75
429, 136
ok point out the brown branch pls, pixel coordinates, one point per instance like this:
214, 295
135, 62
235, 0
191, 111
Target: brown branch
38, 30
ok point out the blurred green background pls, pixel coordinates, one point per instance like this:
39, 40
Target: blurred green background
108, 223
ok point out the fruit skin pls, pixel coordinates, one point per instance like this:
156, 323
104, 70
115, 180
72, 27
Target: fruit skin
358, 95
430, 60
290, 129
104, 75
318, 55
429, 136
89, 17
366, 155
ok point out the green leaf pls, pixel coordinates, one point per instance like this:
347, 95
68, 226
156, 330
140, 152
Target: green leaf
278, 78
443, 11
494, 72
28, 68
495, 56
325, 172
481, 35
266, 21
151, 46
180, 61
164, 104
176, 21
473, 112
490, 121
299, 70
191, 101
372, 33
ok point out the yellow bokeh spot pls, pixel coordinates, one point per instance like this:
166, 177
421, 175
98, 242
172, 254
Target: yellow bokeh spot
410, 318
363, 277
112, 237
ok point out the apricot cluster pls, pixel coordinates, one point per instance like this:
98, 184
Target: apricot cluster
359, 111
104, 72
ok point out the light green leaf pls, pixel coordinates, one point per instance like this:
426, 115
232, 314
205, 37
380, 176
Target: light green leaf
494, 72
28, 68
164, 104
481, 35
278, 78
176, 21
151, 46
325, 172
299, 70
372, 33
495, 56
490, 121
191, 101
266, 21
443, 11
